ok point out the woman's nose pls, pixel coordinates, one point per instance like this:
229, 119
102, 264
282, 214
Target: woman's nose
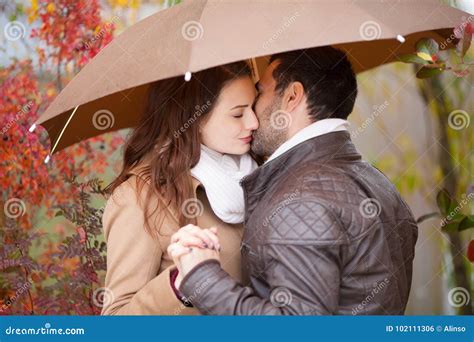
252, 122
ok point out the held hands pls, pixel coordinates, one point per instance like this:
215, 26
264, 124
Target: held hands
192, 245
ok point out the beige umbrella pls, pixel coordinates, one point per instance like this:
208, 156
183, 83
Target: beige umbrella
109, 92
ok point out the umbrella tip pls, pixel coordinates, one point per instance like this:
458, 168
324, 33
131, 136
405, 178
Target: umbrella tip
32, 128
187, 76
46, 160
400, 38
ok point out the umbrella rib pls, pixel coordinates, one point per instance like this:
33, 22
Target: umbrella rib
64, 128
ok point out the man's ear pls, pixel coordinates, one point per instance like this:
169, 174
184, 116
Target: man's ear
293, 97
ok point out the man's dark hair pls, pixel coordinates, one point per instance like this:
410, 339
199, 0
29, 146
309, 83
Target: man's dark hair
326, 74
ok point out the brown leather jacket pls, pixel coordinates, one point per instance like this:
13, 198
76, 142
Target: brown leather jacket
325, 233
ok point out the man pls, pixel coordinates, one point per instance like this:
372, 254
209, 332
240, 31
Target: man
325, 232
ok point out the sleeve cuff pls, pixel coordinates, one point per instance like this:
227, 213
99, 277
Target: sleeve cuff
203, 274
164, 300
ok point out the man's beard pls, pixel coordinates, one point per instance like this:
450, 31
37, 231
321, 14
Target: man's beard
270, 134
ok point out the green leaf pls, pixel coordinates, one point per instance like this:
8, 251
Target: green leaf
20, 9
428, 72
425, 217
425, 56
411, 182
412, 59
466, 223
450, 227
453, 207
443, 199
428, 45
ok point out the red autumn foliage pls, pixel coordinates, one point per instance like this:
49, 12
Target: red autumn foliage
47, 270
470, 251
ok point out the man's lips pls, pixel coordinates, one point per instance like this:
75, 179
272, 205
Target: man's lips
246, 140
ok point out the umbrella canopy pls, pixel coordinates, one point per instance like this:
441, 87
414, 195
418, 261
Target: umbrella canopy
109, 93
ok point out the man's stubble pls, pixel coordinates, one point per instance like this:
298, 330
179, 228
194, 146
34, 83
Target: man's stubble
269, 135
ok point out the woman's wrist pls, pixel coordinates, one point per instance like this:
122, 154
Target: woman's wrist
175, 282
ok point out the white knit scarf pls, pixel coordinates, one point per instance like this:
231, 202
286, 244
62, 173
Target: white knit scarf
220, 175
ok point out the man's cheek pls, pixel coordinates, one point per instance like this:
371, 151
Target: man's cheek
259, 109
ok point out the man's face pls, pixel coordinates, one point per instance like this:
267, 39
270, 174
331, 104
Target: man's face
273, 129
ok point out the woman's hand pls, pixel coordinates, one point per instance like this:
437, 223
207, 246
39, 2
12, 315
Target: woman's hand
194, 236
190, 246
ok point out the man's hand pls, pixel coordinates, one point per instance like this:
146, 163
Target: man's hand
192, 245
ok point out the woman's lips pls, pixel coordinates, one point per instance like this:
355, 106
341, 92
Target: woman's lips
246, 140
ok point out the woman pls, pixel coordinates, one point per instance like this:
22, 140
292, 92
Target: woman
182, 165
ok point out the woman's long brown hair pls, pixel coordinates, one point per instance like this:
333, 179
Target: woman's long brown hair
168, 135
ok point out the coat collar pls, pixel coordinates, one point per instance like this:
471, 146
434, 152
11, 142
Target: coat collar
142, 169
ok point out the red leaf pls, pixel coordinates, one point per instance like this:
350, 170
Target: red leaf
461, 73
82, 234
470, 251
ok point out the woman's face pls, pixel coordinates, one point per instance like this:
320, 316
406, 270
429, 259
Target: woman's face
229, 126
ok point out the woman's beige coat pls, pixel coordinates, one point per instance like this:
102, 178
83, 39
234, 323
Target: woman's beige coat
137, 281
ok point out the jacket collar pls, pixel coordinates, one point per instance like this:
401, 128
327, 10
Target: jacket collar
314, 130
330, 146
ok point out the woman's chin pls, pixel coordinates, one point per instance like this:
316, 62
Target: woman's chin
239, 150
